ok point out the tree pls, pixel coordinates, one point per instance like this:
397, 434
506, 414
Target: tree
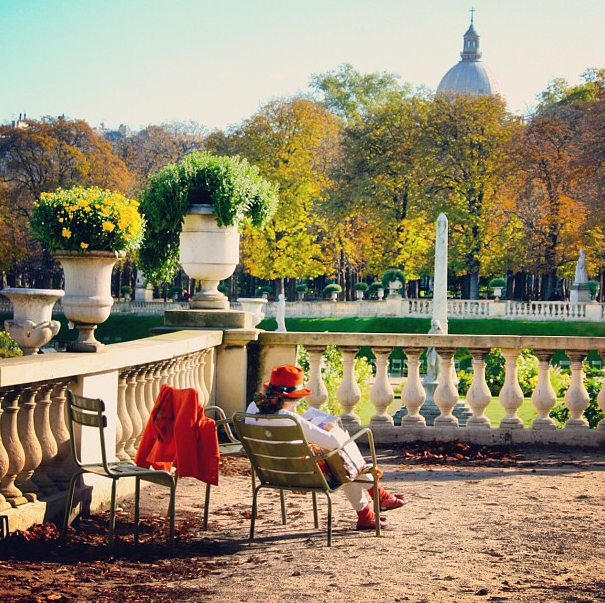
466, 158
294, 142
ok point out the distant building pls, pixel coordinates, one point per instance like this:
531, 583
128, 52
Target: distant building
471, 75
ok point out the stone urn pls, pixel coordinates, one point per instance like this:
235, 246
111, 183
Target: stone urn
88, 298
254, 305
497, 293
208, 253
32, 326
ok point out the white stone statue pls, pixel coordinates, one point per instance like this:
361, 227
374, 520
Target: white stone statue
581, 272
280, 312
432, 358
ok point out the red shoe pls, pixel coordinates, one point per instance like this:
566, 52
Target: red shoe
366, 519
389, 501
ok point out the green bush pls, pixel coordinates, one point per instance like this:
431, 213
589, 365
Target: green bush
593, 287
361, 286
465, 378
392, 274
302, 288
373, 288
331, 288
8, 346
497, 282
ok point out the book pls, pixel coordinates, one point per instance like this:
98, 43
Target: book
319, 417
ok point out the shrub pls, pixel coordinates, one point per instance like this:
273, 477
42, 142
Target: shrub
497, 282
302, 288
373, 288
593, 287
331, 288
392, 274
8, 346
361, 286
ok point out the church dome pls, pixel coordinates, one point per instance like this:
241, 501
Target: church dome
470, 75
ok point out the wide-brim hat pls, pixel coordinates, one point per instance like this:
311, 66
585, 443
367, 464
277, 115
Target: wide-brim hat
287, 381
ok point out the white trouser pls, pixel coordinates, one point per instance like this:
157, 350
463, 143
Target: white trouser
356, 492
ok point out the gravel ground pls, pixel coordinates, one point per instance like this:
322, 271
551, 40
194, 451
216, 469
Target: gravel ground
525, 527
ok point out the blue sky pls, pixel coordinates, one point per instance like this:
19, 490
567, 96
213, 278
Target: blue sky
217, 62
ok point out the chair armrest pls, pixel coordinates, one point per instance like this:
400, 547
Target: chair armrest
355, 436
223, 420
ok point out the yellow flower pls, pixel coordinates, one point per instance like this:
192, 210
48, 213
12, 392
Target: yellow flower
84, 245
108, 226
66, 233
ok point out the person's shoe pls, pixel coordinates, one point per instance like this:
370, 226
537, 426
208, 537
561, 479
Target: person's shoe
366, 519
389, 501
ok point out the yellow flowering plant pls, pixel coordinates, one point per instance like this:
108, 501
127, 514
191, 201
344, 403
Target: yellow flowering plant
86, 219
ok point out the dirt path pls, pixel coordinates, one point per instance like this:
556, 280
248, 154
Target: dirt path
529, 530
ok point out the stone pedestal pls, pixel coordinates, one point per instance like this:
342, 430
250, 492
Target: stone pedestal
580, 292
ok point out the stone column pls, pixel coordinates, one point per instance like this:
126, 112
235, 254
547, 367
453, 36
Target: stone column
133, 412
123, 424
511, 395
381, 394
316, 383
446, 392
440, 277
544, 396
141, 381
62, 466
348, 392
4, 504
48, 444
576, 397
13, 447
30, 443
478, 395
413, 394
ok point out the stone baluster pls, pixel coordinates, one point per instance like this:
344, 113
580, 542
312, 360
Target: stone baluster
4, 504
601, 397
133, 411
140, 378
348, 392
192, 371
172, 373
165, 372
413, 394
30, 443
179, 374
150, 387
14, 449
157, 381
319, 391
576, 397
478, 395
48, 444
381, 394
511, 395
124, 428
544, 396
62, 466
203, 389
446, 392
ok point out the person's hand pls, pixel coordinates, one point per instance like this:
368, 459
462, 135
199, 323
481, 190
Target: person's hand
328, 426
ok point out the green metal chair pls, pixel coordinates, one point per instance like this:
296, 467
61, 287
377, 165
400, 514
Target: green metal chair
232, 447
90, 412
282, 460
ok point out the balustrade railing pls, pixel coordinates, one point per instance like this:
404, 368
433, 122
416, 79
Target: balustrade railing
415, 389
35, 459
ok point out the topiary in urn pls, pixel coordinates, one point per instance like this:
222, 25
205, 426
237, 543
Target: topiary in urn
193, 210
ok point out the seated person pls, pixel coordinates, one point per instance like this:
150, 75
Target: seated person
282, 394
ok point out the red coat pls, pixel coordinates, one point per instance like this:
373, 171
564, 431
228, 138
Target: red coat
178, 433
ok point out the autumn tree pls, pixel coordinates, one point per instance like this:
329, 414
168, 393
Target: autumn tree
294, 142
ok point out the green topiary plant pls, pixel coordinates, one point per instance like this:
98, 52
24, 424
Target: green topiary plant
373, 288
392, 274
361, 286
302, 288
593, 287
331, 288
497, 282
234, 188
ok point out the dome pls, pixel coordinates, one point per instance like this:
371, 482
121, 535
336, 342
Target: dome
470, 75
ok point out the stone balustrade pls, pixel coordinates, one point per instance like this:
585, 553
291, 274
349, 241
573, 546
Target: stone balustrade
457, 308
281, 347
226, 366
35, 458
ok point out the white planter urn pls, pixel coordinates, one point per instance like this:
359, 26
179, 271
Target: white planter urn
32, 326
254, 305
497, 293
208, 253
88, 298
359, 295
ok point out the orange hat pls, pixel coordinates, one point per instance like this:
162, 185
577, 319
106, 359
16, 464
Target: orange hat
287, 381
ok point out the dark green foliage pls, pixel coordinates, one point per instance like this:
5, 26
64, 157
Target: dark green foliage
392, 274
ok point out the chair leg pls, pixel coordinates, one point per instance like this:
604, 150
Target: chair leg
112, 513
137, 513
329, 518
377, 506
206, 506
171, 513
254, 509
282, 500
70, 502
315, 516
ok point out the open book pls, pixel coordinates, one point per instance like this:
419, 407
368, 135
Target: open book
319, 417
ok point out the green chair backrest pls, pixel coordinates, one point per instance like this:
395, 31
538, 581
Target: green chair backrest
278, 451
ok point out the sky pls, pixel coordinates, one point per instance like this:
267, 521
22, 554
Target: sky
217, 62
